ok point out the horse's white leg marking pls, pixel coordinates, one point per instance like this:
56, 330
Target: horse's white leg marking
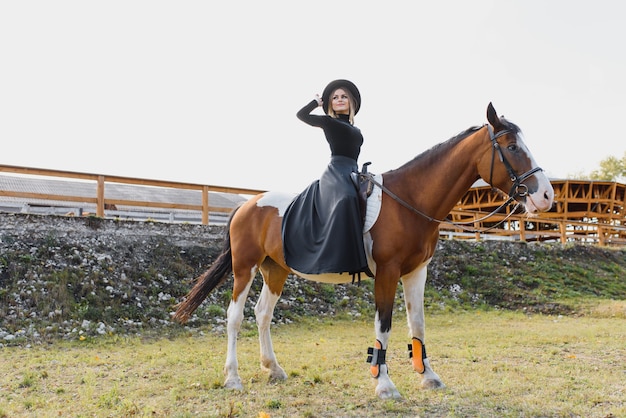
264, 311
413, 285
385, 388
234, 319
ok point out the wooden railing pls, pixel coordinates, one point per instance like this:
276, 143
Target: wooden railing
597, 224
584, 211
540, 228
102, 180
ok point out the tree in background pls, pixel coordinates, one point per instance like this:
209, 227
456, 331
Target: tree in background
611, 169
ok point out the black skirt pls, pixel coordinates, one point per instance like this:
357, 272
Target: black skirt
322, 230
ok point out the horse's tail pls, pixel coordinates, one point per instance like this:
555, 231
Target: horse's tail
209, 280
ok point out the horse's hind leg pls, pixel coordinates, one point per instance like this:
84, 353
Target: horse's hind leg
413, 285
274, 278
234, 320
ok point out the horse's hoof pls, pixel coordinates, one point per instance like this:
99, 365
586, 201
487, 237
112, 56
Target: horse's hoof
432, 384
389, 394
277, 375
234, 384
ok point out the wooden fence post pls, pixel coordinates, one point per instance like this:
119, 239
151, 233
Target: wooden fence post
205, 205
476, 227
100, 197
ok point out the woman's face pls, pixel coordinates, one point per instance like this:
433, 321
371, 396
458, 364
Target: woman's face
340, 102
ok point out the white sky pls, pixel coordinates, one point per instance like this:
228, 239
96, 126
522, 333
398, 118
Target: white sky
207, 92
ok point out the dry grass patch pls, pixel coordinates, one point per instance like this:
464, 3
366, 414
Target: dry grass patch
607, 309
496, 364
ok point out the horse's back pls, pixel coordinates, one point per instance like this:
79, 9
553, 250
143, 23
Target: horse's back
278, 200
255, 229
260, 209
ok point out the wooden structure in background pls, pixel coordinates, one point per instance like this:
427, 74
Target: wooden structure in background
591, 212
584, 211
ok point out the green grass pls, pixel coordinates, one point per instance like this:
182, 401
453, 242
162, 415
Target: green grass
494, 363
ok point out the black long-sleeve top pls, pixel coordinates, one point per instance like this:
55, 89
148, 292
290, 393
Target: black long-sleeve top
343, 138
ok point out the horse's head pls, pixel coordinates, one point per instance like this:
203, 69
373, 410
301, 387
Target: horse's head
509, 166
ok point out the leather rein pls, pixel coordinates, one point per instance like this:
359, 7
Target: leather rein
518, 189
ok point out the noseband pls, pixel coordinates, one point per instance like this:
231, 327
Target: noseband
518, 189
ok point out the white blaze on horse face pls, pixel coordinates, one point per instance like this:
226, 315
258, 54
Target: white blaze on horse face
277, 200
541, 199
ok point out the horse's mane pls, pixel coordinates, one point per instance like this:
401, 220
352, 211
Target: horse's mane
443, 147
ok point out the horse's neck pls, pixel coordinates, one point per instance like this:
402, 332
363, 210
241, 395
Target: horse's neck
437, 182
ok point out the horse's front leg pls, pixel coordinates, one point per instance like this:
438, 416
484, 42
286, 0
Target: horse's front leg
384, 294
413, 285
234, 317
264, 311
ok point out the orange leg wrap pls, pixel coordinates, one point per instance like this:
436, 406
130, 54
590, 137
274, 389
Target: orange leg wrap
417, 353
376, 357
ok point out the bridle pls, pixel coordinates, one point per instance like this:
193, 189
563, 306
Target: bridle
518, 189
517, 180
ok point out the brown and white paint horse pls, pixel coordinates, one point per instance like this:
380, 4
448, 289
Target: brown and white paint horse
399, 245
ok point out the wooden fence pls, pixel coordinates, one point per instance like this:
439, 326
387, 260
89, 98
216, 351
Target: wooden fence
585, 211
535, 229
101, 201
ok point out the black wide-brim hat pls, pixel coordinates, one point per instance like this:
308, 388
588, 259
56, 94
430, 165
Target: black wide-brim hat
334, 85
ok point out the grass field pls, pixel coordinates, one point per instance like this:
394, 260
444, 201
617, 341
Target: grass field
495, 364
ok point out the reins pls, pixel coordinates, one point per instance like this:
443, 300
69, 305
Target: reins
461, 225
518, 189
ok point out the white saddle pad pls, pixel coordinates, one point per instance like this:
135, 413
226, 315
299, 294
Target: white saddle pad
374, 202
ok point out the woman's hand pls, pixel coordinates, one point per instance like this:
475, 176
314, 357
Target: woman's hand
318, 99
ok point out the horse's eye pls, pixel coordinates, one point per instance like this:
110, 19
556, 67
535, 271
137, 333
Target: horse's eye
512, 147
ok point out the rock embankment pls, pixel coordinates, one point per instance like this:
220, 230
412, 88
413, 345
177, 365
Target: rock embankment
71, 278
78, 278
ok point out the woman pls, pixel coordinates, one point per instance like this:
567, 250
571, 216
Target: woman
322, 229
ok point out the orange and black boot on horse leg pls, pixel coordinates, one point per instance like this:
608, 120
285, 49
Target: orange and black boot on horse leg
417, 353
376, 358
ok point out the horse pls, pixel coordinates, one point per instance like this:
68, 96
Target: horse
416, 198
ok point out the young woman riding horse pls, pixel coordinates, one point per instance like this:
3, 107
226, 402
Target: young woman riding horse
322, 230
399, 243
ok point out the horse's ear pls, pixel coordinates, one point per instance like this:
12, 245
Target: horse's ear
492, 117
